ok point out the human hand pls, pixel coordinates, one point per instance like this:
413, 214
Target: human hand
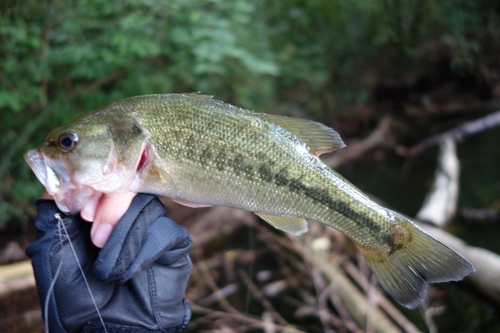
104, 210
137, 279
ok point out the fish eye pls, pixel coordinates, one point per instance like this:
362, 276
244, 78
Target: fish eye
67, 141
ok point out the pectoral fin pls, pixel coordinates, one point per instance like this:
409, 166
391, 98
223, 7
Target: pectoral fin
318, 137
294, 225
159, 175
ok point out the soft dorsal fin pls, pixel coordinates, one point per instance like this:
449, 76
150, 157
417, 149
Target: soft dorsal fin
294, 225
319, 137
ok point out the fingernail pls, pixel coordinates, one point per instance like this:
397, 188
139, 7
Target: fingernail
101, 234
88, 213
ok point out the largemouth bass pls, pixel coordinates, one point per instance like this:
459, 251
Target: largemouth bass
204, 152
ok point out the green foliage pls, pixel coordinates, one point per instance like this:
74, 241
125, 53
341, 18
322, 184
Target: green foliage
59, 59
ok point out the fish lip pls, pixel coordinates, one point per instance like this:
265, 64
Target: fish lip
36, 161
55, 176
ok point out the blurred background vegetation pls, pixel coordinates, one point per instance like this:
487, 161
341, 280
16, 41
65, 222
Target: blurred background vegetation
429, 64
312, 58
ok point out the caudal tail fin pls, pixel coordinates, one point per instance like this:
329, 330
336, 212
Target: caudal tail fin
405, 273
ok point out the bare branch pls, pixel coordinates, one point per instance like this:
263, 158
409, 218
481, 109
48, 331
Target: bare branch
457, 133
244, 318
440, 205
258, 295
381, 136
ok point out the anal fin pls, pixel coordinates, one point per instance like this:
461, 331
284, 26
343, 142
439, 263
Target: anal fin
293, 225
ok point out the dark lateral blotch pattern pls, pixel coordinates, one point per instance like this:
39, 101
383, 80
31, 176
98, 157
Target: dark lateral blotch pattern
238, 164
322, 196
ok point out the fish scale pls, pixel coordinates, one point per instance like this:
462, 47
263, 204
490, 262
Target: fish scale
249, 143
201, 151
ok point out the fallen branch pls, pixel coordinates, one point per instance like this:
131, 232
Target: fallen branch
453, 107
16, 277
457, 133
440, 205
486, 278
480, 215
381, 136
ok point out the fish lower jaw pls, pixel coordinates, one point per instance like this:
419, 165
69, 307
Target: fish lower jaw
72, 200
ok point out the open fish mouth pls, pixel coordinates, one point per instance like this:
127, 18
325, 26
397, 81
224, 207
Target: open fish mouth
52, 174
56, 176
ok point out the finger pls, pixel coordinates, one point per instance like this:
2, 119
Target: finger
109, 211
88, 212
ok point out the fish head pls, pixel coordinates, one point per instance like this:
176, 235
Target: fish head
81, 158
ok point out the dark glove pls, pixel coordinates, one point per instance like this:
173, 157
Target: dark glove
137, 280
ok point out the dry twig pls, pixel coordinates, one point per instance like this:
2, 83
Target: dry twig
356, 303
380, 299
258, 295
243, 318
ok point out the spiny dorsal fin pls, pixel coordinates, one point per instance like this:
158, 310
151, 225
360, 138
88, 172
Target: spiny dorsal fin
294, 225
320, 138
